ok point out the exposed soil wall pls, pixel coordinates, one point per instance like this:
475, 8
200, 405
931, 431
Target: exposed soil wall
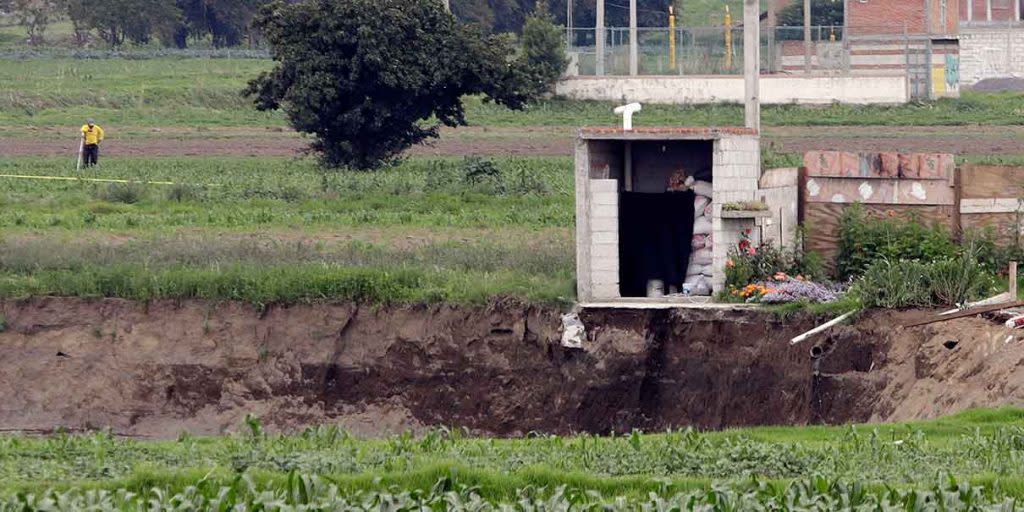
161, 368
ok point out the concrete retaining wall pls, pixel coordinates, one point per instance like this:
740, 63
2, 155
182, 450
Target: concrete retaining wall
814, 90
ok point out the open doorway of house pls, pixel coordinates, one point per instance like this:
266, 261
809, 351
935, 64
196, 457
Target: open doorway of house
661, 222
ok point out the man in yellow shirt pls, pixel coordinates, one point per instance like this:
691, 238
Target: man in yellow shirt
92, 136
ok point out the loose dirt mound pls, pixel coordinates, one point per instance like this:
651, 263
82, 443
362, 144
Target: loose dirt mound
1007, 84
162, 368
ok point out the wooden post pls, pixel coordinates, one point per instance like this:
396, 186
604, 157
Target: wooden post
1013, 280
808, 47
634, 45
599, 38
752, 63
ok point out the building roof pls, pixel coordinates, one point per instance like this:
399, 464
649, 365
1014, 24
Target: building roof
652, 133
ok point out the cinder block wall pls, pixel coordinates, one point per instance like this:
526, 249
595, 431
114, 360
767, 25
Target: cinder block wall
737, 170
990, 53
604, 238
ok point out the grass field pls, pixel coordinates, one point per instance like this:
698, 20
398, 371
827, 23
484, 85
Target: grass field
205, 92
977, 457
267, 230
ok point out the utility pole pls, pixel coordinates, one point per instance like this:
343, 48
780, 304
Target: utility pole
568, 24
808, 46
634, 45
752, 62
599, 38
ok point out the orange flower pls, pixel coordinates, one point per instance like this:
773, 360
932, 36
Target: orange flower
729, 263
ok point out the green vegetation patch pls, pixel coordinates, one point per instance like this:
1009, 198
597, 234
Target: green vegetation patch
977, 455
143, 239
267, 192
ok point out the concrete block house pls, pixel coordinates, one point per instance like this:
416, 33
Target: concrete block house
634, 228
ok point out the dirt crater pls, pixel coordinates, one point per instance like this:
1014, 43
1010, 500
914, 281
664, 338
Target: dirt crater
157, 369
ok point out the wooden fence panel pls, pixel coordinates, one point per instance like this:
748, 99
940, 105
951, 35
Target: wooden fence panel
822, 220
991, 182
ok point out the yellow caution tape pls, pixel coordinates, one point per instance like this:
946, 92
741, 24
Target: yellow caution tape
96, 180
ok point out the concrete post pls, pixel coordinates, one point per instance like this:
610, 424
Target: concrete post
807, 36
1016, 10
970, 10
846, 22
929, 21
752, 62
599, 37
634, 45
568, 25
988, 10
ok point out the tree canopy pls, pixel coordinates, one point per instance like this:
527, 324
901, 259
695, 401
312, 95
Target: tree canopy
824, 13
367, 78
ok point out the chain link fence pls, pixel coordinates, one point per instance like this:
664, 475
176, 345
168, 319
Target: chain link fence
719, 51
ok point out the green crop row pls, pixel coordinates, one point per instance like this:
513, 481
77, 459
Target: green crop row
305, 492
985, 448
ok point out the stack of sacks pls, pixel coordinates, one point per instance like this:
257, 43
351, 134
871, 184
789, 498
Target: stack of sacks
699, 272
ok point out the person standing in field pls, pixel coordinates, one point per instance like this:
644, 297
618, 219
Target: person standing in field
92, 136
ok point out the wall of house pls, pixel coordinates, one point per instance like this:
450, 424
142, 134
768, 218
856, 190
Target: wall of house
903, 16
1002, 10
813, 90
780, 190
737, 167
990, 53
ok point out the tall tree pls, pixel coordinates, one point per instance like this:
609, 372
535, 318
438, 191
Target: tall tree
35, 16
365, 77
543, 48
823, 13
138, 21
226, 22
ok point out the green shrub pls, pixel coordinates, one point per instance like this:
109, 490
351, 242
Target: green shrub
863, 241
126, 193
958, 280
483, 175
993, 252
894, 284
910, 283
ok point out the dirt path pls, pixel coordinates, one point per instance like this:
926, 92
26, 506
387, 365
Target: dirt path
532, 141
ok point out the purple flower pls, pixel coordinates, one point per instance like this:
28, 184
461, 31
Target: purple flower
794, 290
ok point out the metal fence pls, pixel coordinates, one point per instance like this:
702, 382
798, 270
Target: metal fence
719, 51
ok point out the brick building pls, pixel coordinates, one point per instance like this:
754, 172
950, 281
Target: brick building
904, 16
991, 11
